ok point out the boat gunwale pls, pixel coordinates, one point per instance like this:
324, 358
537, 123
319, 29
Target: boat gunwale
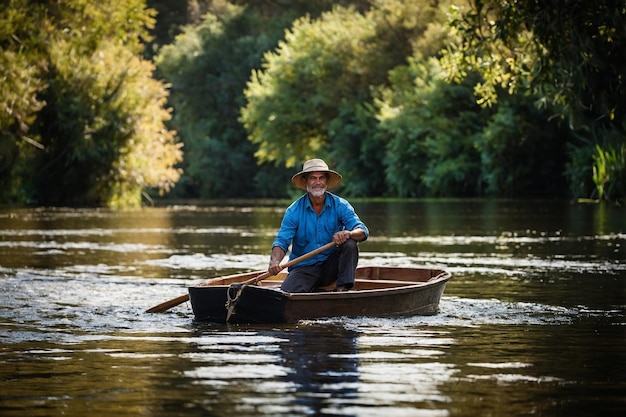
277, 279
401, 287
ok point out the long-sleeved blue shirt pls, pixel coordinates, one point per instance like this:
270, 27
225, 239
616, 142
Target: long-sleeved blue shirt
306, 231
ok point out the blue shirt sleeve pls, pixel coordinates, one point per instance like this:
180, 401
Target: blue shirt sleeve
288, 227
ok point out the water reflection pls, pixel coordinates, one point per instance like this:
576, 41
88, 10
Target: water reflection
348, 368
324, 367
299, 370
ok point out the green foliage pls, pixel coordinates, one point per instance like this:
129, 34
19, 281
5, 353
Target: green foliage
573, 55
522, 152
103, 130
571, 58
597, 168
313, 94
431, 128
291, 101
609, 172
578, 167
91, 129
20, 84
356, 151
603, 161
208, 66
440, 142
258, 87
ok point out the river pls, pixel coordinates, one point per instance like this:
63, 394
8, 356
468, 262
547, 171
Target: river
531, 323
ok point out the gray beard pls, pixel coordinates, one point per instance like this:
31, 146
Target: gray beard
315, 192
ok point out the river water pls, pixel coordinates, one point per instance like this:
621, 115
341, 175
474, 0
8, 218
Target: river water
531, 323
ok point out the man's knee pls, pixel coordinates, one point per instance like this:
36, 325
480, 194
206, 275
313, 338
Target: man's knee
300, 280
350, 247
293, 286
351, 244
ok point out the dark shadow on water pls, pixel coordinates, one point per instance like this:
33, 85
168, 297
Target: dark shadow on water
315, 367
323, 364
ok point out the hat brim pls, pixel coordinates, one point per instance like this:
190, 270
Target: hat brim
299, 182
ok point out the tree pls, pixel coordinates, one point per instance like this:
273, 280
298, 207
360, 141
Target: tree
313, 96
19, 88
95, 127
319, 65
431, 128
102, 129
208, 66
572, 57
442, 143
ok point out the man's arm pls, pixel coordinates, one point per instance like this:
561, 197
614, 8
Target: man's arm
357, 234
277, 255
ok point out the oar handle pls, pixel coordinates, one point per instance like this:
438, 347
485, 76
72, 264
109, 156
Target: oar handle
294, 261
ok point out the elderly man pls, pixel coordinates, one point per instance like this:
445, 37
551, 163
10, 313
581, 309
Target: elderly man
317, 218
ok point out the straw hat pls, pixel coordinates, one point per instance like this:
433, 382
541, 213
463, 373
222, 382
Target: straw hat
315, 165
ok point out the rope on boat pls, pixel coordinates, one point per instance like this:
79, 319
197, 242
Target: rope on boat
234, 289
233, 294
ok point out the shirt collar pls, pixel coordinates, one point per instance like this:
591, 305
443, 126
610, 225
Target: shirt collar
326, 200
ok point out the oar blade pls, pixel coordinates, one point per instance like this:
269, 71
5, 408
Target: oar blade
163, 307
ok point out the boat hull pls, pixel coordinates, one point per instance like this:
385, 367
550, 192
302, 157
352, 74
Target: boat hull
378, 292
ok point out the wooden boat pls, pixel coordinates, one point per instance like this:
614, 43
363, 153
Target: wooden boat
378, 292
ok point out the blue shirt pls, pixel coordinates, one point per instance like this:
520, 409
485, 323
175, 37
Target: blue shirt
306, 231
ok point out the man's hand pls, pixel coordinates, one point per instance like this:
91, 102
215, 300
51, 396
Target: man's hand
277, 255
274, 268
342, 237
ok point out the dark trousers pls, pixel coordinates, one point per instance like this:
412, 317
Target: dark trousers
339, 266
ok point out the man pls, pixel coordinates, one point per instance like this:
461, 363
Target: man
313, 220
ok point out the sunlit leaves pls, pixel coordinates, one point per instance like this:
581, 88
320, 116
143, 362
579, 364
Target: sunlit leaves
481, 48
311, 96
76, 91
20, 79
19, 85
108, 130
320, 64
572, 55
570, 58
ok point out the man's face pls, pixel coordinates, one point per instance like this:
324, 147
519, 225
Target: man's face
316, 183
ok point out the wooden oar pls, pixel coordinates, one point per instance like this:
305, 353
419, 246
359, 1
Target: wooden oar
217, 281
183, 298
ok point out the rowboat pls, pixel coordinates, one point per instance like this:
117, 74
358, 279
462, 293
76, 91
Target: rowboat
378, 291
